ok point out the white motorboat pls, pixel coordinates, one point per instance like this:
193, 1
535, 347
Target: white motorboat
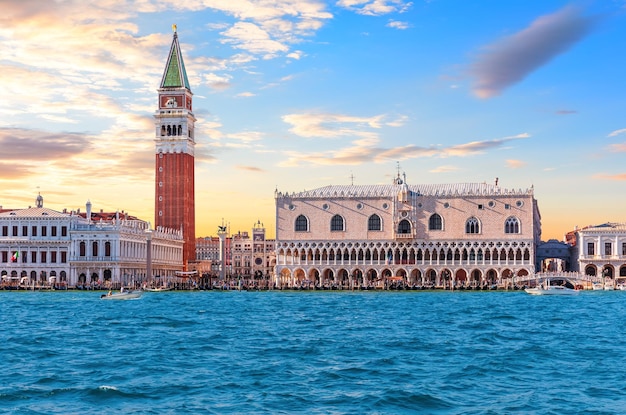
546, 289
158, 289
122, 295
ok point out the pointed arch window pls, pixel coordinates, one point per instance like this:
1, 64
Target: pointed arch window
374, 223
472, 226
512, 225
435, 223
404, 226
302, 224
336, 223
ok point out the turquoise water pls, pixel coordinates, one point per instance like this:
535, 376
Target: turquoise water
313, 353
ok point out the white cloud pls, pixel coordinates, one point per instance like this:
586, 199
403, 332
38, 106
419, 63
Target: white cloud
617, 132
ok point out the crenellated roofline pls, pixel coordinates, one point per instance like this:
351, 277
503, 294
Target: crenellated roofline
391, 190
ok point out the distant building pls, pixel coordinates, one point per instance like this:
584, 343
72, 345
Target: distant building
244, 256
600, 250
43, 247
462, 234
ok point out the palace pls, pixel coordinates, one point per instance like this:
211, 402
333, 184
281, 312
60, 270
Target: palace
42, 247
448, 235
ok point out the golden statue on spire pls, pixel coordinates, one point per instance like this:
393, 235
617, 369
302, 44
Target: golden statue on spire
174, 27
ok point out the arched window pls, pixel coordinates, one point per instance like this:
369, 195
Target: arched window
107, 248
404, 226
472, 226
302, 224
511, 225
435, 223
374, 223
82, 248
94, 248
336, 223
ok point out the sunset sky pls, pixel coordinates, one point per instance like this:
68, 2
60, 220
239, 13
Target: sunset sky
299, 94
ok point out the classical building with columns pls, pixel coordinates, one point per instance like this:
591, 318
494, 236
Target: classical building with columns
443, 235
44, 247
600, 250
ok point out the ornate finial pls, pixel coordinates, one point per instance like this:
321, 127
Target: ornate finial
174, 27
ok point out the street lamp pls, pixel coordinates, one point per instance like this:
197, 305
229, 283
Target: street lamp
149, 253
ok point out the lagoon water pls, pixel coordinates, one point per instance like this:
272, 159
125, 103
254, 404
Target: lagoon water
282, 352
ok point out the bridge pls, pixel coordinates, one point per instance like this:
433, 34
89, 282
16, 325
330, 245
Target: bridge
572, 276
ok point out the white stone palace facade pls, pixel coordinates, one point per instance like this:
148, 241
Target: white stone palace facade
601, 251
447, 235
43, 247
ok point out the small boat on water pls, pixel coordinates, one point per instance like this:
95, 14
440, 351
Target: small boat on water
157, 289
546, 288
122, 295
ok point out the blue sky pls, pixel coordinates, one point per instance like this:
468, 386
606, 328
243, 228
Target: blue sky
294, 95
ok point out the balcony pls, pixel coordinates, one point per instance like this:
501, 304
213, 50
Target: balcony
405, 236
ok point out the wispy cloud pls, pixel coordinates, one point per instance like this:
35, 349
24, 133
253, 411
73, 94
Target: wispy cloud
375, 7
616, 177
364, 146
511, 59
618, 148
444, 169
395, 24
617, 132
515, 164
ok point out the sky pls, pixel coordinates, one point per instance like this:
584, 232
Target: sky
293, 95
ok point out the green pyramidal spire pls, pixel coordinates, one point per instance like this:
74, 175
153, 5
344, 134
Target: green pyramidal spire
175, 75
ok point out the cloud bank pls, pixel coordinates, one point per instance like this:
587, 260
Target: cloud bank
511, 59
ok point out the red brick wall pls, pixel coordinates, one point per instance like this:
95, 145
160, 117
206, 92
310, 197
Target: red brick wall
175, 201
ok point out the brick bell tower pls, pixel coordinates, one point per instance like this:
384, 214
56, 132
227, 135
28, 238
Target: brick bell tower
175, 144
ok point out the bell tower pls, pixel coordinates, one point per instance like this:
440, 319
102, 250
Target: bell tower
175, 144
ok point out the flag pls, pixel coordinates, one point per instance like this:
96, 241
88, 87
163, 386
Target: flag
15, 256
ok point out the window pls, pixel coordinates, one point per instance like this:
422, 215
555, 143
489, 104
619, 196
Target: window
15, 230
507, 206
43, 257
24, 254
63, 230
82, 249
34, 231
336, 223
94, 248
107, 248
44, 231
5, 256
302, 224
63, 257
53, 231
623, 248
481, 207
53, 257
33, 257
590, 248
404, 227
511, 225
24, 230
607, 248
5, 231
472, 226
435, 223
374, 223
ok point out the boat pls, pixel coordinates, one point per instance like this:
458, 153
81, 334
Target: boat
547, 289
122, 295
157, 289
